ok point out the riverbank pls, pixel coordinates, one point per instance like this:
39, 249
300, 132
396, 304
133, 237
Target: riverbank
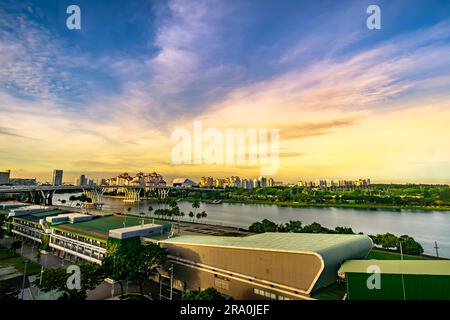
307, 205
369, 207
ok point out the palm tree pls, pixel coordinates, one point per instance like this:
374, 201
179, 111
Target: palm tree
191, 215
150, 209
203, 214
198, 216
195, 205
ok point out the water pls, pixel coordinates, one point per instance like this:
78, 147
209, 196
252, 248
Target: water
424, 226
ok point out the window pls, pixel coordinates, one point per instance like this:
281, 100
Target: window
221, 282
263, 293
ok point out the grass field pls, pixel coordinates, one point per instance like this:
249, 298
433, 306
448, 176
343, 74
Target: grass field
19, 264
99, 228
385, 255
10, 259
6, 253
335, 291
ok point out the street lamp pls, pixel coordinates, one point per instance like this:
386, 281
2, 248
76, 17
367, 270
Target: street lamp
171, 281
24, 277
40, 282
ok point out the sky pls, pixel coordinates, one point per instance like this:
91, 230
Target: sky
348, 102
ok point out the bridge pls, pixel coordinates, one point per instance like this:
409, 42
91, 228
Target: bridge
43, 194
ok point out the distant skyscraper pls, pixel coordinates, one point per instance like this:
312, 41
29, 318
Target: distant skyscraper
262, 181
83, 180
4, 177
57, 177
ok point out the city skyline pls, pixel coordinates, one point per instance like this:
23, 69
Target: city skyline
349, 102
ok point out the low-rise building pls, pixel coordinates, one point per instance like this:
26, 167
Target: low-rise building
264, 266
396, 279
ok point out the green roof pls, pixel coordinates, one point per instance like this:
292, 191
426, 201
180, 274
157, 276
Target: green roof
300, 242
98, 228
414, 267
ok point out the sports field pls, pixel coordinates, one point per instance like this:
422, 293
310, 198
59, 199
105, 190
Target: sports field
98, 228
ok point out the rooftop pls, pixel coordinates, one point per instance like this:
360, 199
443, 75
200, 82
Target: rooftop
99, 227
298, 242
35, 217
417, 267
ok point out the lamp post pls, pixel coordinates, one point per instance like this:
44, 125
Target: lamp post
160, 286
40, 282
171, 281
24, 277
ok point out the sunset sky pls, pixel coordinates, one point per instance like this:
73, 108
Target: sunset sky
349, 102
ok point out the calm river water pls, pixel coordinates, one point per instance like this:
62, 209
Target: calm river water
425, 227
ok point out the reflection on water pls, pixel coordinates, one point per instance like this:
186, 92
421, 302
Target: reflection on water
425, 227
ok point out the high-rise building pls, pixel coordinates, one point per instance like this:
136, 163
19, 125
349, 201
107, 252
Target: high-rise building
206, 182
4, 177
218, 183
270, 182
83, 180
57, 177
262, 181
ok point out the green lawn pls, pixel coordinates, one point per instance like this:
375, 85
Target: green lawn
385, 255
9, 258
335, 291
6, 253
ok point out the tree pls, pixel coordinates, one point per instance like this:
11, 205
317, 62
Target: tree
2, 222
409, 245
387, 240
133, 261
8, 292
293, 226
344, 230
45, 239
207, 294
145, 261
150, 209
191, 215
172, 203
316, 228
263, 226
195, 205
91, 276
203, 214
16, 245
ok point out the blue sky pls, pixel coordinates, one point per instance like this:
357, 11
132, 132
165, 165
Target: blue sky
156, 65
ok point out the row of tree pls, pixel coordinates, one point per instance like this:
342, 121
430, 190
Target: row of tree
296, 226
404, 243
399, 195
387, 241
175, 212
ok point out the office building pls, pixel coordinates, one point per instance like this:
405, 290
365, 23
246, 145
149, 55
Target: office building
57, 177
4, 177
